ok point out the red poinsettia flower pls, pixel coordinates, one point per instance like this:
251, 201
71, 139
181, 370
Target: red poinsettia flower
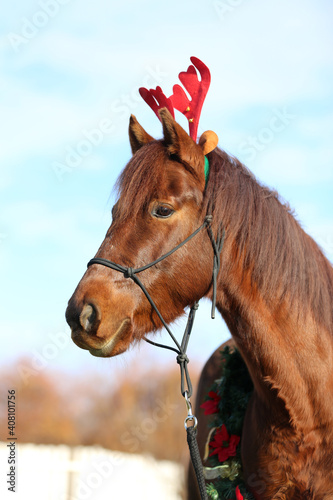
239, 496
225, 445
211, 405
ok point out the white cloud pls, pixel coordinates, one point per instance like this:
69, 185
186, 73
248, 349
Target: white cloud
34, 123
251, 63
264, 54
33, 222
316, 126
298, 166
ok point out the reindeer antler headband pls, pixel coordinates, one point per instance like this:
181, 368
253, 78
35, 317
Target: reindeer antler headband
191, 108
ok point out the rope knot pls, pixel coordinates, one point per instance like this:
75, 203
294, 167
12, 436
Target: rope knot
208, 218
129, 273
182, 358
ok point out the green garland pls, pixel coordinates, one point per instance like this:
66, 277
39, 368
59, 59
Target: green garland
227, 401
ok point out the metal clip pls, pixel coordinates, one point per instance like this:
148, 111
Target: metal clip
190, 415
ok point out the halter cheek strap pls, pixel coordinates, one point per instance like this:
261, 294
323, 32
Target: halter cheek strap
131, 273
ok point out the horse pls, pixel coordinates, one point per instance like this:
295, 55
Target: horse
274, 290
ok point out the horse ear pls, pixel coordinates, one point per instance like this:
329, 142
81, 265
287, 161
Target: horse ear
180, 144
137, 135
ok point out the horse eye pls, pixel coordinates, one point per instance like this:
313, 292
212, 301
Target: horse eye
162, 211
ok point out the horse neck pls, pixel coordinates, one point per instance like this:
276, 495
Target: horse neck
275, 292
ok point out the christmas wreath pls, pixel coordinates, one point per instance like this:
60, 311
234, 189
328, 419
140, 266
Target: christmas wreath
227, 401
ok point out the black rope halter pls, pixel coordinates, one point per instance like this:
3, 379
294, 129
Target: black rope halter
181, 348
131, 273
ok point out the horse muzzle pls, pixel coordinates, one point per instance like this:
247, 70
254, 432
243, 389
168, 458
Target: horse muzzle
92, 332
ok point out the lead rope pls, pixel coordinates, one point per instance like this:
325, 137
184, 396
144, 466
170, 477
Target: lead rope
180, 349
183, 361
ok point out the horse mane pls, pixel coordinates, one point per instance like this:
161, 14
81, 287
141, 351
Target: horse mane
285, 262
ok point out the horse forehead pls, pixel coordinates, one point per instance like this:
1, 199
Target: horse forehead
158, 174
179, 182
169, 172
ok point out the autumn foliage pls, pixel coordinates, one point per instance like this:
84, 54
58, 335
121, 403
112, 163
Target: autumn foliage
143, 412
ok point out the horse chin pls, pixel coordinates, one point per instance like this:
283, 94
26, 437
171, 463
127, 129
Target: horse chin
117, 343
107, 346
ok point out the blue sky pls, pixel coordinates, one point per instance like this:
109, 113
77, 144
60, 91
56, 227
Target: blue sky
69, 74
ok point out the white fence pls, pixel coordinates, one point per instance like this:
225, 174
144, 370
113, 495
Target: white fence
47, 472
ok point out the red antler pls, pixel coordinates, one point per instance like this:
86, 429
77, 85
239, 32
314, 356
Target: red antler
179, 100
196, 89
156, 100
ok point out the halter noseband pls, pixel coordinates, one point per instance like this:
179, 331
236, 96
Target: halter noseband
131, 273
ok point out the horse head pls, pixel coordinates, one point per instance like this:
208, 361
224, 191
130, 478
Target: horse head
160, 203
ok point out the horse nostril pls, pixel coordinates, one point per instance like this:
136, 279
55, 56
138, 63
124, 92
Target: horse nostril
89, 318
